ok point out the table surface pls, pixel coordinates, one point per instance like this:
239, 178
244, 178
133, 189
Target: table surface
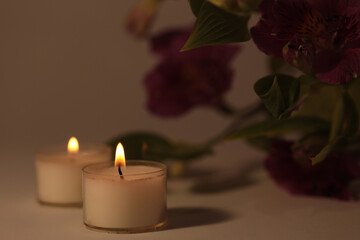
224, 196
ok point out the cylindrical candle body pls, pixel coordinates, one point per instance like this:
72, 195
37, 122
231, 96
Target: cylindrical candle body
59, 180
134, 202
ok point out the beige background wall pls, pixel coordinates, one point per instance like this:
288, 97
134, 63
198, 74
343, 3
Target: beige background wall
69, 68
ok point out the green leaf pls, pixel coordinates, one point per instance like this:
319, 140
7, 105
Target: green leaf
321, 98
249, 5
151, 146
324, 152
273, 127
337, 119
195, 6
279, 94
337, 124
182, 151
217, 26
351, 116
135, 142
275, 64
345, 123
353, 90
345, 120
261, 142
308, 85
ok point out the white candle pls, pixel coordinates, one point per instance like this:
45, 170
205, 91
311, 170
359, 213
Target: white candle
58, 172
133, 202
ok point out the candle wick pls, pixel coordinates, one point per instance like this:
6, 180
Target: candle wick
120, 173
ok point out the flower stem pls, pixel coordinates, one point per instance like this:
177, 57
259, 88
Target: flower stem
240, 117
225, 108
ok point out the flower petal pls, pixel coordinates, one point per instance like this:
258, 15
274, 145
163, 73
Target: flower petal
265, 8
331, 8
337, 68
183, 80
164, 95
266, 40
328, 179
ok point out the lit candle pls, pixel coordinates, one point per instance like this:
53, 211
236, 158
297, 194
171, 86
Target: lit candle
127, 197
58, 171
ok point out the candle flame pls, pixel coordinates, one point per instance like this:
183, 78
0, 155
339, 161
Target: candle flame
73, 145
120, 156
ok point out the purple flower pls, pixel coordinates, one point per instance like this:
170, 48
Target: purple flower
292, 170
316, 36
183, 80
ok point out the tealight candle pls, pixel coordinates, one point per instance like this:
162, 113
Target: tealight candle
130, 197
58, 171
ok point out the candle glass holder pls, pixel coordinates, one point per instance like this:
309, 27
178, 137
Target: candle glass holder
129, 203
59, 173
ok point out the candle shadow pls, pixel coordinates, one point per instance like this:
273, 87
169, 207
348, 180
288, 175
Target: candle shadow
185, 217
243, 178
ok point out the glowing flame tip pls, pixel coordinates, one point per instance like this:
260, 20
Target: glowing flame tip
120, 155
73, 145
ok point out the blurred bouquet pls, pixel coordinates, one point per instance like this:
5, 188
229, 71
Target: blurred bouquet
311, 129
